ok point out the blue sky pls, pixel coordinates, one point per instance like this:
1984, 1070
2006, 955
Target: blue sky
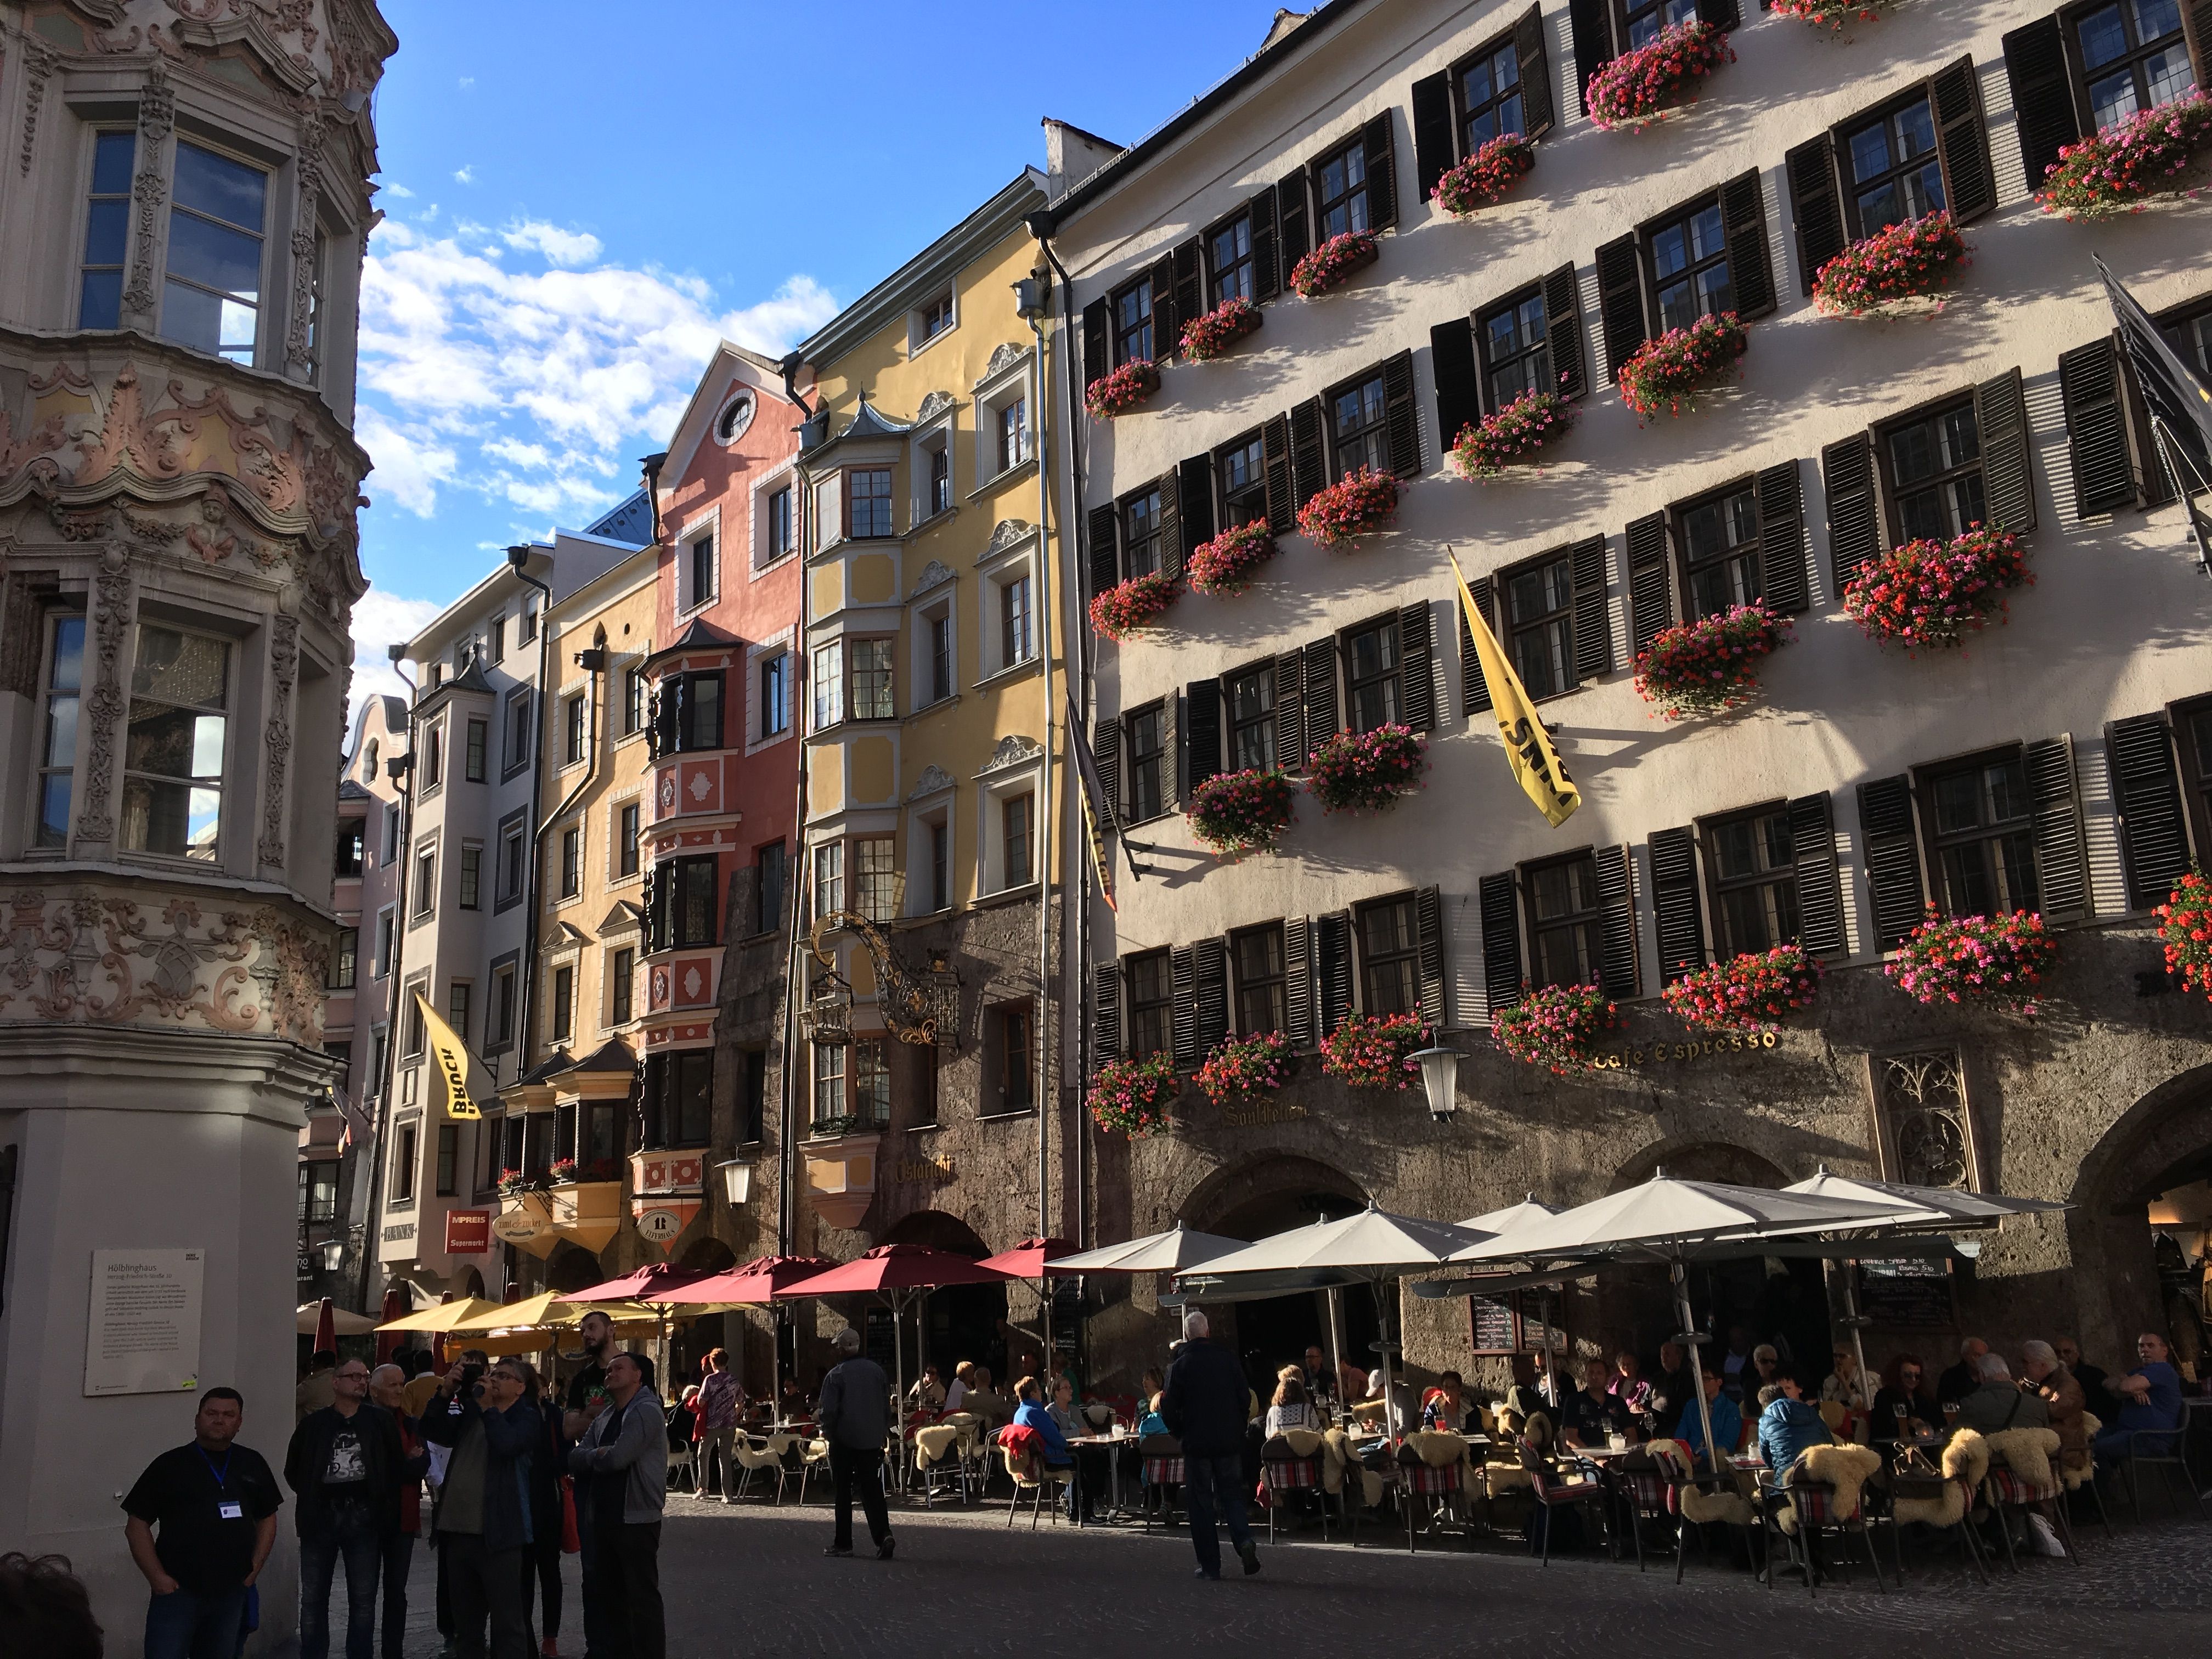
580, 198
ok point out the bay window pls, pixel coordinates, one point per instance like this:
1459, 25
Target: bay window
173, 752
211, 295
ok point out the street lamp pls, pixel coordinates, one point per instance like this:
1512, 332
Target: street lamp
1440, 1080
737, 1181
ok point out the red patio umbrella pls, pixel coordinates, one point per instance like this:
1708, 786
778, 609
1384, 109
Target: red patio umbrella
1026, 1261
395, 1307
758, 1281
326, 1328
650, 1282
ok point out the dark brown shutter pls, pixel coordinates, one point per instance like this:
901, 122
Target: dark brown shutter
1319, 693
1402, 415
1189, 290
1098, 340
1563, 325
1105, 1015
1298, 981
1290, 224
1170, 485
1593, 622
1721, 14
1617, 966
1309, 462
1434, 151
1211, 963
1162, 276
1782, 540
2008, 487
1651, 599
1416, 674
1962, 140
1171, 715
2042, 96
2154, 842
1106, 748
1333, 945
1194, 501
2096, 429
1275, 457
1620, 302
1381, 157
1893, 858
1501, 943
1474, 689
1815, 204
1743, 210
1290, 713
1267, 273
1202, 752
1592, 22
1537, 114
2061, 869
1820, 876
1681, 926
1451, 360
1429, 921
2157, 488
1853, 518
2196, 29
1105, 564
1182, 1013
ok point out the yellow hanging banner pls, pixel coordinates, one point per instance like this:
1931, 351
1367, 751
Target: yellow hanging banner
1529, 748
452, 1056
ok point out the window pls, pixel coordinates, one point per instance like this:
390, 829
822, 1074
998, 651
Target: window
345, 957
1539, 625
1985, 844
828, 1083
1013, 429
1754, 881
1934, 464
457, 1007
1340, 189
940, 477
380, 1052
433, 755
1256, 954
1017, 629
1565, 946
574, 730
384, 945
1150, 993
518, 732
317, 278
472, 757
1646, 18
939, 627
869, 501
1133, 323
426, 882
1490, 98
829, 877
601, 1137
1147, 763
1389, 958
472, 876
2133, 57
174, 753
875, 883
699, 570
57, 757
735, 421
320, 1183
828, 684
1721, 551
776, 694
106, 231
1896, 173
416, 1030
1242, 470
1016, 1058
564, 1004
1371, 676
925, 1094
353, 839
1141, 545
496, 638
1517, 351
633, 700
391, 833
870, 697
689, 715
1250, 697
768, 874
622, 983
626, 839
778, 539
212, 299
871, 1081
402, 1167
1016, 814
1228, 250
512, 854
935, 317
502, 1004
572, 862
1689, 266
679, 904
678, 1101
1360, 426
525, 625
940, 866
449, 1157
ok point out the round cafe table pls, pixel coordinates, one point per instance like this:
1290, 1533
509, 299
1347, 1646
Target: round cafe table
1109, 1444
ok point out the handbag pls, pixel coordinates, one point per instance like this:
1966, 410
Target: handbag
1916, 1478
571, 1542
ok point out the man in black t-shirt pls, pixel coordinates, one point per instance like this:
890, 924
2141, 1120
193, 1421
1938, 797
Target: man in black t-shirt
1591, 1413
202, 1519
345, 1469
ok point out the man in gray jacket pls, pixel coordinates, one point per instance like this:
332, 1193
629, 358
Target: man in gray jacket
623, 1456
854, 1412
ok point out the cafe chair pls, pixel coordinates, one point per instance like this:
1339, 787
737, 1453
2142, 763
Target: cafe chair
1037, 1480
1162, 1455
1284, 1469
1822, 1496
1371, 1414
2083, 1477
1555, 1492
2022, 1476
2160, 1450
751, 1459
937, 1461
1432, 1469
1693, 1501
1943, 1502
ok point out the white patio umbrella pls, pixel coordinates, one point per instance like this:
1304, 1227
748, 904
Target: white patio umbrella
1177, 1250
1506, 1224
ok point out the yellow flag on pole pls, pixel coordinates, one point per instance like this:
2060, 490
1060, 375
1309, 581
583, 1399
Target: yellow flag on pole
452, 1055
1529, 748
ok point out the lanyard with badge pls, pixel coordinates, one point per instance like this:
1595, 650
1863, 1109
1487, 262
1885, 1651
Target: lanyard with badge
226, 1509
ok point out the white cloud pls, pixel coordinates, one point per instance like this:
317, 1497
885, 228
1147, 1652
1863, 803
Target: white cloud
784, 319
382, 619
560, 247
392, 188
467, 80
466, 175
408, 469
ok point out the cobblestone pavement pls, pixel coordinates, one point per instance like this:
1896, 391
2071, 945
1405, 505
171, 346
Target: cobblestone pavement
752, 1580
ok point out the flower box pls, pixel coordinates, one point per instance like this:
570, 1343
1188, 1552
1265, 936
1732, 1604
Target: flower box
1224, 565
1121, 390
1514, 435
2185, 928
1337, 515
1335, 263
1554, 1025
1645, 83
1710, 665
1205, 338
1834, 14
512, 1183
2124, 167
1486, 177
1934, 594
1908, 261
1997, 959
1133, 1096
1669, 372
1127, 607
1240, 812
567, 1171
1376, 1051
1367, 771
1241, 1069
1751, 991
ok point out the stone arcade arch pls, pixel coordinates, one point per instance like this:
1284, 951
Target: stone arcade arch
2161, 1143
962, 1322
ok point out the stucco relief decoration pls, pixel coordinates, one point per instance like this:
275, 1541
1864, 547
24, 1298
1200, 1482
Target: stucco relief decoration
1002, 359
277, 736
1012, 752
1006, 533
35, 451
103, 708
932, 573
298, 352
149, 191
932, 406
934, 779
39, 61
1924, 1098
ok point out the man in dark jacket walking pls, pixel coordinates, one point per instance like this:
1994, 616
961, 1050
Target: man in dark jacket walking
344, 1467
484, 1509
854, 1412
1207, 1405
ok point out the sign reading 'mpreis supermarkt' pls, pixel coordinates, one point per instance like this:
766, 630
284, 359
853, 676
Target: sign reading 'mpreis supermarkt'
143, 1332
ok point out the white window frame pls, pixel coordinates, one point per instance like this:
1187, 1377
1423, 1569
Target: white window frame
631, 796
709, 523
917, 342
829, 509
739, 394
992, 795
782, 644
939, 433
1018, 559
992, 395
938, 810
579, 826
275, 230
621, 939
826, 684
783, 476
942, 601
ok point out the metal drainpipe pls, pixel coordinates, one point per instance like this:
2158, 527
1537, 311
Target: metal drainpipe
795, 872
401, 769
1046, 1104
518, 556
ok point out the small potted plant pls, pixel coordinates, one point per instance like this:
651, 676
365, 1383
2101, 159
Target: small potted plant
1710, 665
1668, 373
1133, 1096
563, 1171
2124, 166
1241, 1070
1376, 1051
1334, 264
1224, 565
1486, 177
1832, 14
1881, 273
1137, 603
1240, 812
1749, 991
1115, 393
1554, 1025
1931, 595
1337, 515
1997, 959
513, 1183
1514, 436
1367, 771
2185, 928
1205, 338
1646, 83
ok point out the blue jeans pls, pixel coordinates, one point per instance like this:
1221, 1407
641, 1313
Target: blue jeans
399, 1549
348, 1535
195, 1624
2115, 1446
1211, 1484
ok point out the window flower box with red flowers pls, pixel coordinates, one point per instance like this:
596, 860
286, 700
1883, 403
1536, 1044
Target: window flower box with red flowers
2185, 927
1224, 565
1137, 603
1120, 390
1242, 1070
1752, 992
1834, 14
1335, 263
1205, 338
512, 1183
1711, 665
1367, 771
1646, 82
1240, 812
1933, 594
1376, 1051
1554, 1025
1913, 260
1133, 1096
567, 1171
1337, 515
1668, 373
1486, 177
1513, 436
1997, 959
2124, 167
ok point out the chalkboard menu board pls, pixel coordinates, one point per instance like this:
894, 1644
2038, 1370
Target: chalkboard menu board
1910, 1295
1497, 1321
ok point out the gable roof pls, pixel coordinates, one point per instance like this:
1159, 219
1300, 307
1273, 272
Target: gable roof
630, 523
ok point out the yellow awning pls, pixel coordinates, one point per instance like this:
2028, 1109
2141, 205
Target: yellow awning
443, 1317
547, 1308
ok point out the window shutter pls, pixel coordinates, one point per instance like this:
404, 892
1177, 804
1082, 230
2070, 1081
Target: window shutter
1620, 302
2196, 28
1617, 969
1381, 157
1782, 540
1171, 724
1814, 205
1593, 624
1290, 714
1309, 462
1106, 749
2153, 844
1893, 858
1275, 457
1202, 753
1962, 140
1105, 1015
1416, 674
1182, 1016
1743, 210
1165, 321
1434, 151
1451, 359
1267, 273
1098, 341
1402, 415
2096, 431
1854, 522
1334, 947
1592, 22
1501, 943
1189, 289
1563, 323
2155, 487
1537, 114
1721, 14
1195, 498
1212, 963
2008, 487
1105, 566
1298, 981
1650, 601
2062, 872
1320, 692
1170, 485
1820, 876
1290, 224
1674, 903
2042, 96
1429, 920
1474, 689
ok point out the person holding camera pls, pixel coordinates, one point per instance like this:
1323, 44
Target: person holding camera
484, 1521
